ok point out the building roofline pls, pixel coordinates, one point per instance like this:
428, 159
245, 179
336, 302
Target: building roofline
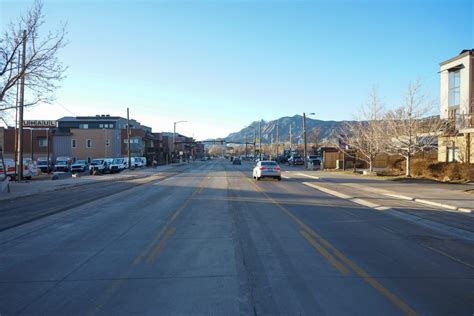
463, 54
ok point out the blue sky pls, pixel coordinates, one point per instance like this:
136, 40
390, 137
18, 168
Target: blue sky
222, 64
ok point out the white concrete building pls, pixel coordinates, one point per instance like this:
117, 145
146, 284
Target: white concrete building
457, 106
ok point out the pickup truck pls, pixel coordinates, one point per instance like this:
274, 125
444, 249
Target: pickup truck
98, 166
79, 166
295, 160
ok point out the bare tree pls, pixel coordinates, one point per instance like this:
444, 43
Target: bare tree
43, 71
412, 128
216, 150
364, 136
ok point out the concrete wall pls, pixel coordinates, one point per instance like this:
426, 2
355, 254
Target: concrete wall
460, 141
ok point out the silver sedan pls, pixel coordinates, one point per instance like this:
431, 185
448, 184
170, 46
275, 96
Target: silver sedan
267, 169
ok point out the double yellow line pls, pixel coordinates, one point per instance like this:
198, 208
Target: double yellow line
337, 258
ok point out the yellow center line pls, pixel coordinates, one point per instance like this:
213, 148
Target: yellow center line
165, 228
152, 256
325, 253
359, 271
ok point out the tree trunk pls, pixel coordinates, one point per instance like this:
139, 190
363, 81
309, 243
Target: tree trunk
371, 168
408, 171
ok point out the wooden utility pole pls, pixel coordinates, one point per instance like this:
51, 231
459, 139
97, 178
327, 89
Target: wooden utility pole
17, 102
128, 140
277, 139
291, 144
20, 112
304, 140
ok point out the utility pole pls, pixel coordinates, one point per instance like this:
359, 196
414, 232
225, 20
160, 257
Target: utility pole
20, 112
254, 143
47, 144
290, 141
278, 139
128, 141
304, 139
246, 140
260, 139
31, 140
17, 102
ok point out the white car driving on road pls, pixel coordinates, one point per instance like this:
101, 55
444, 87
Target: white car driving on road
267, 169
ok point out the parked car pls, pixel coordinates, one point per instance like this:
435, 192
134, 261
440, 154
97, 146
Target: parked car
98, 166
118, 164
79, 166
237, 161
267, 169
43, 165
295, 160
315, 162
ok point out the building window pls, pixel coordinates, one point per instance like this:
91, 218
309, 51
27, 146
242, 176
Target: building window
89, 143
84, 126
453, 154
101, 125
125, 141
454, 87
111, 125
73, 143
42, 142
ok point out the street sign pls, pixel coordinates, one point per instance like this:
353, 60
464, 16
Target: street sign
39, 123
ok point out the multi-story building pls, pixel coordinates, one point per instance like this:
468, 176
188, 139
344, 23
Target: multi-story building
89, 137
457, 106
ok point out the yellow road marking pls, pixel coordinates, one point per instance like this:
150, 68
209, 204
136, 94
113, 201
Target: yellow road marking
367, 278
151, 257
325, 253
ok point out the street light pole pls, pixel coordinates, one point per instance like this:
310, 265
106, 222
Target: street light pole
128, 141
260, 139
304, 137
174, 135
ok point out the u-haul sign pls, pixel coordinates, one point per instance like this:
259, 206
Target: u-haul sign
39, 123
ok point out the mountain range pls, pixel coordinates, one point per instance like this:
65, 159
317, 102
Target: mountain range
317, 130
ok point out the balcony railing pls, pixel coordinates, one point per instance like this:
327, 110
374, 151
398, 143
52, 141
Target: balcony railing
459, 123
465, 121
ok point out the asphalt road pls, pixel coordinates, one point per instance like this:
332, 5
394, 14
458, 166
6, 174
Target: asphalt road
211, 241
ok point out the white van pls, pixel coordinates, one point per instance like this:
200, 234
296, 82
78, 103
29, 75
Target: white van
118, 164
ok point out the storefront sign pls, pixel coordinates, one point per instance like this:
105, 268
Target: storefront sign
39, 124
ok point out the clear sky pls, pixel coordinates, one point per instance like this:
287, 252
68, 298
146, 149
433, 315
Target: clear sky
222, 64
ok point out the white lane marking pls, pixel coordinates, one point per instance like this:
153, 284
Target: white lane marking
347, 197
328, 191
285, 177
408, 198
307, 176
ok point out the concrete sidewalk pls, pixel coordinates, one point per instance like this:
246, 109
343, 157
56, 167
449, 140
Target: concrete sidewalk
46, 184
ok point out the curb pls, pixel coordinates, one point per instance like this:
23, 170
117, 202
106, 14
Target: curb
428, 202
